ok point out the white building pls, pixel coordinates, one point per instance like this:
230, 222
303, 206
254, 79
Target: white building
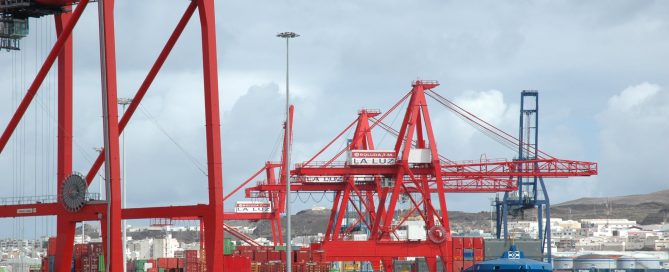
607, 224
152, 248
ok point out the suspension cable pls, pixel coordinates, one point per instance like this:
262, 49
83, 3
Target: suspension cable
190, 157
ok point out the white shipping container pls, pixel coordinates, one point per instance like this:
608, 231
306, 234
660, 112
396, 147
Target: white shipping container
401, 235
360, 237
420, 155
416, 233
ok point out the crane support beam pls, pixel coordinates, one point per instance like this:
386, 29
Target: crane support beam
165, 212
459, 186
248, 216
549, 168
213, 223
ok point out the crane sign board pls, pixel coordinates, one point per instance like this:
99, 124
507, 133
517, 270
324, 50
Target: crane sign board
323, 179
252, 207
372, 157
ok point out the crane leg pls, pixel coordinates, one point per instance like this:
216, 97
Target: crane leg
388, 265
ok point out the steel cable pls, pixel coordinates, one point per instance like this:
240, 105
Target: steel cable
190, 157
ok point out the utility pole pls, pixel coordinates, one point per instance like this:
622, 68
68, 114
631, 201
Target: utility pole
124, 102
289, 244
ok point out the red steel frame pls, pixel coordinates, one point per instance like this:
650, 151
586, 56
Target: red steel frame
378, 203
211, 214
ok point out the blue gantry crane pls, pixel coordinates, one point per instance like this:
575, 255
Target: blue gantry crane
531, 193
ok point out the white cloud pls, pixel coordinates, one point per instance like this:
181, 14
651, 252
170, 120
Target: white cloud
459, 140
633, 140
633, 96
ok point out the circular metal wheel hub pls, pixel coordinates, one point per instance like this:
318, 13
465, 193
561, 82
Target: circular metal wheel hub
74, 192
437, 234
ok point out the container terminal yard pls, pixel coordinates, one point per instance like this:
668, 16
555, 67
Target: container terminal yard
388, 211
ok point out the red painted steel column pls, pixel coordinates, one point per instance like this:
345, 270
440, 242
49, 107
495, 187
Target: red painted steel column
64, 226
114, 248
41, 74
388, 265
213, 222
333, 212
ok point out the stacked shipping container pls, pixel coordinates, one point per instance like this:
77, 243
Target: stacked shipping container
89, 258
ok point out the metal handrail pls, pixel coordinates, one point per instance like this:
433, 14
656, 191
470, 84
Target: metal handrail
40, 199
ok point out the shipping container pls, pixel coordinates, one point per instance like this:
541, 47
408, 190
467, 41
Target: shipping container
228, 246
468, 254
468, 242
51, 246
457, 242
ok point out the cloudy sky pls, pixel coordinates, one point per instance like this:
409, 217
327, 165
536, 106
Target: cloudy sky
600, 67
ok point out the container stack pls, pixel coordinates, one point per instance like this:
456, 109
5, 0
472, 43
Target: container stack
273, 259
88, 257
191, 261
49, 261
467, 251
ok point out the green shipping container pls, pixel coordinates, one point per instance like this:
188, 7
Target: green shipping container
228, 246
101, 263
139, 265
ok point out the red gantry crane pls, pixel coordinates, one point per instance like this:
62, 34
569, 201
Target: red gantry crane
72, 205
372, 181
276, 200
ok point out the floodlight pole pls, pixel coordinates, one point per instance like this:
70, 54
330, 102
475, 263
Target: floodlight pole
289, 244
124, 102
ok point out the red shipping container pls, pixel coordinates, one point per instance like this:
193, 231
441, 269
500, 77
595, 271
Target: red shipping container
303, 256
478, 254
237, 263
458, 254
317, 256
162, 263
244, 248
478, 242
273, 255
457, 242
316, 246
80, 250
260, 256
247, 253
191, 254
192, 267
45, 264
468, 242
51, 247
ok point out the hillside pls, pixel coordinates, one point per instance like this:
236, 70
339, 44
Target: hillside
646, 209
660, 197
